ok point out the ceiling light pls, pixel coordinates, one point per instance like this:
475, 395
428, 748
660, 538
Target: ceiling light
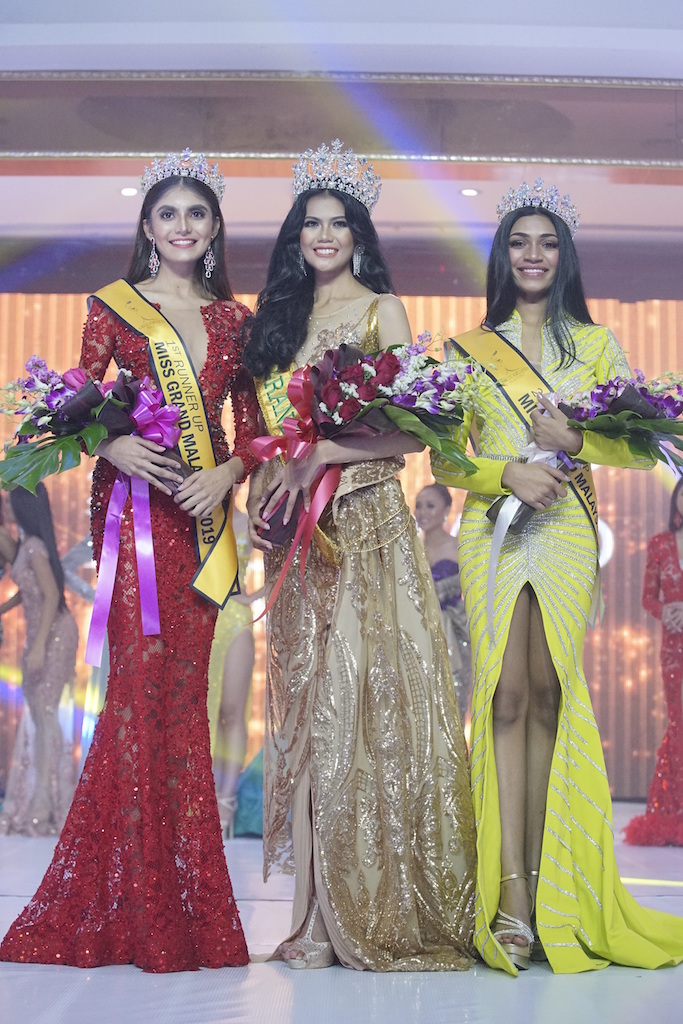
129, 191
469, 191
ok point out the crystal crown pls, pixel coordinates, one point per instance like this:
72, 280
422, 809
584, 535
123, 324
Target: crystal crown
184, 165
548, 198
329, 167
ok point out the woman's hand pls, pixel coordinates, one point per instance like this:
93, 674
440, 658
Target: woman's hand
206, 489
255, 522
672, 616
535, 483
137, 457
551, 433
35, 658
296, 477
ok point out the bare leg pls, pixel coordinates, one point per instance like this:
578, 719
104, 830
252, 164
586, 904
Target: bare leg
47, 751
510, 706
231, 734
294, 950
544, 703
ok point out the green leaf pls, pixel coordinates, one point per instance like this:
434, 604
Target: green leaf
71, 454
91, 435
409, 423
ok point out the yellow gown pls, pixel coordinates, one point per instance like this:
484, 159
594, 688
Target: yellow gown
366, 787
586, 918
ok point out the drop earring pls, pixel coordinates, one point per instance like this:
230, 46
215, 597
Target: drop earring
358, 251
153, 262
209, 262
301, 262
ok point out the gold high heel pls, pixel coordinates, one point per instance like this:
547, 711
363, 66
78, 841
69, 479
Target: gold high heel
505, 924
538, 954
314, 954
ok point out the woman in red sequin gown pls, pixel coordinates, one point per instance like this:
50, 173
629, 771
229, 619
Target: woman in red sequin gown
139, 873
662, 823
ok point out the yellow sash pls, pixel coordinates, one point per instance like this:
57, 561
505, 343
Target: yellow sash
216, 577
276, 406
517, 380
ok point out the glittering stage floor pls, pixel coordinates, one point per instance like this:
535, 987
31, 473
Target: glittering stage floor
267, 993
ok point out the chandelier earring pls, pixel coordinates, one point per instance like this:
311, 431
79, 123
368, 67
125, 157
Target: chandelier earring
209, 262
301, 262
358, 251
153, 262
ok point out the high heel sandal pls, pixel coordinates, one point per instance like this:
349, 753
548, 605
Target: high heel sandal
538, 954
314, 954
505, 924
227, 809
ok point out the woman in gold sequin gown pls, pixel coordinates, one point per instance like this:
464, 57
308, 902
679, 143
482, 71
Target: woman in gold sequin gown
541, 794
366, 793
42, 776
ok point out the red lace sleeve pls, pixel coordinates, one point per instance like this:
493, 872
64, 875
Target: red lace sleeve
245, 412
244, 402
652, 579
99, 339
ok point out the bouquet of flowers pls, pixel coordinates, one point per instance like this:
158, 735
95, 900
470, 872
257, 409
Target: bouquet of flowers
65, 414
352, 393
401, 388
645, 413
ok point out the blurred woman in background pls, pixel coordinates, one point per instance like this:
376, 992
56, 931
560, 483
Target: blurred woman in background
40, 787
662, 823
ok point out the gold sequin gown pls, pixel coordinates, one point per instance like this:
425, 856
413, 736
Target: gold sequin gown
42, 776
366, 786
586, 918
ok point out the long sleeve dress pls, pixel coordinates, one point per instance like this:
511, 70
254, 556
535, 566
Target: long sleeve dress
139, 874
662, 823
365, 771
585, 917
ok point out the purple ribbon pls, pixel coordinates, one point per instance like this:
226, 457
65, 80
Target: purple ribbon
144, 553
156, 422
159, 423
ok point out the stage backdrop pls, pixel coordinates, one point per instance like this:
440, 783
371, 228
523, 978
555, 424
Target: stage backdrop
621, 657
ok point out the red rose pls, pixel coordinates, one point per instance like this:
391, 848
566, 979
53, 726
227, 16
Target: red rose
349, 409
353, 374
331, 394
367, 392
386, 366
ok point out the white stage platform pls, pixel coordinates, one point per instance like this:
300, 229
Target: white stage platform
268, 993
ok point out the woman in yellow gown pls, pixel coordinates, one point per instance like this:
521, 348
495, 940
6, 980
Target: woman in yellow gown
547, 878
366, 788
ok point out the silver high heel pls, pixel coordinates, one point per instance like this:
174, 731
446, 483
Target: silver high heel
505, 924
227, 809
313, 954
538, 954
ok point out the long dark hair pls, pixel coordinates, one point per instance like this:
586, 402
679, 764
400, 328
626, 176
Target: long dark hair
566, 297
278, 329
440, 489
33, 516
214, 287
675, 522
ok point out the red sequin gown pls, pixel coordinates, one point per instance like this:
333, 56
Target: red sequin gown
662, 823
139, 873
